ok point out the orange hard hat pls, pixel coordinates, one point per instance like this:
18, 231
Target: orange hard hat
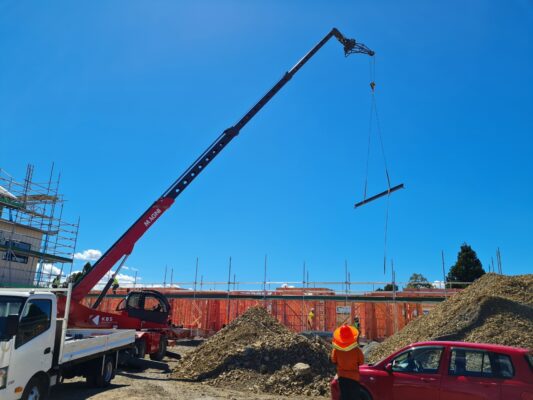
345, 337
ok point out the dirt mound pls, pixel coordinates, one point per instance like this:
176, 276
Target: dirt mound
256, 353
495, 309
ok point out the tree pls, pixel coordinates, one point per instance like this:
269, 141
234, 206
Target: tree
467, 268
388, 288
418, 281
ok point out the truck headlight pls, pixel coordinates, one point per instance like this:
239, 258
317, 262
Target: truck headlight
3, 377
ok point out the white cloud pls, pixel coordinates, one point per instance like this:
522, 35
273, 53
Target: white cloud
124, 280
49, 270
46, 273
88, 255
438, 284
160, 285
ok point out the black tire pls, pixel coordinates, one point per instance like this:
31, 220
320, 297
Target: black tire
161, 351
103, 378
140, 348
365, 395
34, 390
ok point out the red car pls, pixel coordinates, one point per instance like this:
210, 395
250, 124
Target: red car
451, 371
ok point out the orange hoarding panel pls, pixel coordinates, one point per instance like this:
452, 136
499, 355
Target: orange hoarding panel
378, 320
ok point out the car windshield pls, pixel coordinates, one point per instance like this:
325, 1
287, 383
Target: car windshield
9, 306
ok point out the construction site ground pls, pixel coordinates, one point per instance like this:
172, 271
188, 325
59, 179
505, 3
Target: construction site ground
256, 354
155, 384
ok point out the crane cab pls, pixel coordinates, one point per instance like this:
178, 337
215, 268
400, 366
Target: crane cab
146, 305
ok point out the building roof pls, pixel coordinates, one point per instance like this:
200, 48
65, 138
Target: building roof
5, 193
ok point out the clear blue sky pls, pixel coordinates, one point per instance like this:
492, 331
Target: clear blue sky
124, 95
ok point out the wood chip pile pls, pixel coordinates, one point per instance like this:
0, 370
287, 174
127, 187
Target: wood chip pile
258, 354
494, 309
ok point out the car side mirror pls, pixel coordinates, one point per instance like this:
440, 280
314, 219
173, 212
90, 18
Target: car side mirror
388, 367
12, 325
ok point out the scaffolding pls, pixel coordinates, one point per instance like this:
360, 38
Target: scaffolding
37, 245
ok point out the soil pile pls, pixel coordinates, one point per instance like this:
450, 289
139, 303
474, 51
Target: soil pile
256, 353
494, 309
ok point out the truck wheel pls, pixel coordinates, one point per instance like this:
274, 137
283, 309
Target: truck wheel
161, 351
140, 348
34, 390
103, 378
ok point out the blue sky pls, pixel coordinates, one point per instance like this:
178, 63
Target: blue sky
123, 96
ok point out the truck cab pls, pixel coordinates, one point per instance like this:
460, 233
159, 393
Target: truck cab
27, 336
37, 349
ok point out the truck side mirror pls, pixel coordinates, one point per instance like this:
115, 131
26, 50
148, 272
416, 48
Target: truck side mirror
388, 367
12, 325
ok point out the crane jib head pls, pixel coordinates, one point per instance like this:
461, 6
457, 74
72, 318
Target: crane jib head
350, 45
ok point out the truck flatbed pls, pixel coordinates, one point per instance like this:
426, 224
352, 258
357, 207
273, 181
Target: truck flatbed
83, 343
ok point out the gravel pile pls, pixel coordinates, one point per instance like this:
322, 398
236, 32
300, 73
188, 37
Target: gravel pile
494, 309
256, 353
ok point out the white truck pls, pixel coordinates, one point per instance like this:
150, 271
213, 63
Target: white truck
37, 350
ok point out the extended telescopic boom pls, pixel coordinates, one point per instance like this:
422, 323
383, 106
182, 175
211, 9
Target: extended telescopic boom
124, 245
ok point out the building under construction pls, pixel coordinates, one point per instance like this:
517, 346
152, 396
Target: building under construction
204, 312
36, 243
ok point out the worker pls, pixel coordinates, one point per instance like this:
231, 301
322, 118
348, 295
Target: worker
357, 325
56, 282
310, 319
348, 357
115, 285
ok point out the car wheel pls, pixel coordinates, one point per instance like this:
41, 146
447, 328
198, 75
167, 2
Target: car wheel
34, 390
365, 395
161, 351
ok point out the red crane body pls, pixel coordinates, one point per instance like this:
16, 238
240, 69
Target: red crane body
123, 246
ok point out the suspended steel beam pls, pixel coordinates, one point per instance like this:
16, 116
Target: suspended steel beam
377, 196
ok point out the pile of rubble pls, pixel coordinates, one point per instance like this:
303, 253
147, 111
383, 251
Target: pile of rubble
494, 309
256, 353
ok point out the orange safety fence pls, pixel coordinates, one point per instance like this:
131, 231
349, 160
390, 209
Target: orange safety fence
205, 316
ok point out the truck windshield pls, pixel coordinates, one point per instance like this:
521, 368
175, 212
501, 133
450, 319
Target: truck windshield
9, 306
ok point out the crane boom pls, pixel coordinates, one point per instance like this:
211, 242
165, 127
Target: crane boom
124, 245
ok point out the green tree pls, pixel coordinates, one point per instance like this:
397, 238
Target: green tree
418, 281
467, 268
388, 288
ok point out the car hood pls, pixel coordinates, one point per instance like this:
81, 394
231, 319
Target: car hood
365, 368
